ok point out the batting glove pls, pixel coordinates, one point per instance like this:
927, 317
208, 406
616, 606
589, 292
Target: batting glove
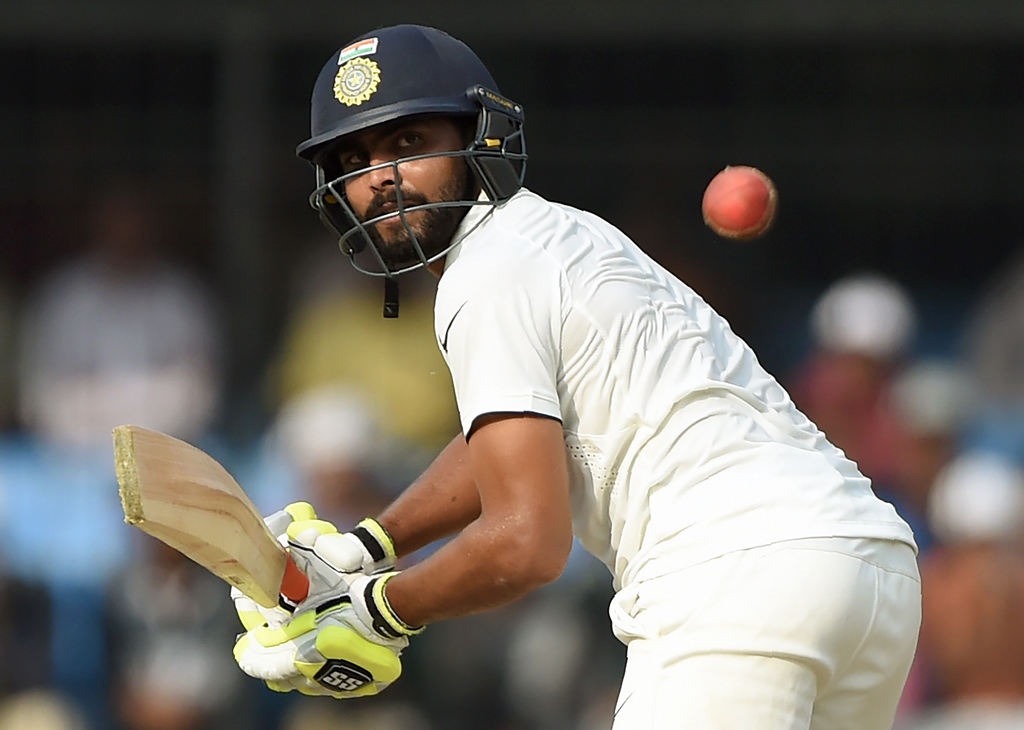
319, 553
320, 652
250, 613
368, 548
344, 639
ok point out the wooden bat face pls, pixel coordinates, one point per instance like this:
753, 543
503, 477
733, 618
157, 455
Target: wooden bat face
182, 496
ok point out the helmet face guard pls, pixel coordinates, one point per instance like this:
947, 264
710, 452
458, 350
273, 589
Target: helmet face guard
496, 157
395, 73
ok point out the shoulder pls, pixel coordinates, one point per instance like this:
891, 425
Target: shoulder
515, 270
504, 276
508, 251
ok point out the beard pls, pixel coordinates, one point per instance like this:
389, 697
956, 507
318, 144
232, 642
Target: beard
433, 228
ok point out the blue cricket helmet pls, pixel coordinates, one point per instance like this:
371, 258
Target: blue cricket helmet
404, 71
388, 74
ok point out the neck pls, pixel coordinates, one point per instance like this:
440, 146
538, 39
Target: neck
437, 267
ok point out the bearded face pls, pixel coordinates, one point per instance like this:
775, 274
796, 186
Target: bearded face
390, 170
396, 239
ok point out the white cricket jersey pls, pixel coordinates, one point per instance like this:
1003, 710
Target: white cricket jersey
682, 447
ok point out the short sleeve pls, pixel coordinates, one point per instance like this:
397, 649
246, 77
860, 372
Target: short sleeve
501, 342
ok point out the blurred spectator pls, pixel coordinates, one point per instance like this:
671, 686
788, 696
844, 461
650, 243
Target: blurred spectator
458, 671
39, 710
119, 335
978, 498
324, 448
61, 527
171, 628
337, 336
862, 329
932, 401
563, 669
861, 387
995, 337
867, 314
370, 714
972, 637
994, 348
24, 636
8, 357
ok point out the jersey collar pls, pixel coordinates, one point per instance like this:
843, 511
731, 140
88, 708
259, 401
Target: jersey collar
471, 223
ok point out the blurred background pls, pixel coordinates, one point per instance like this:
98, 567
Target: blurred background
161, 266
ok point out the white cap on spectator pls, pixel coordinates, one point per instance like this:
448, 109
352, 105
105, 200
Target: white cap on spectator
933, 397
40, 709
978, 497
327, 425
864, 313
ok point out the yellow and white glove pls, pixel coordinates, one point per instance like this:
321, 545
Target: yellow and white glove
368, 548
250, 613
376, 548
343, 640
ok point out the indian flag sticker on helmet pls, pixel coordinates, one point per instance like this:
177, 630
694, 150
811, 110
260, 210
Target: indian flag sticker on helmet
360, 48
356, 81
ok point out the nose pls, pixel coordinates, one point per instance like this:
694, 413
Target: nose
384, 176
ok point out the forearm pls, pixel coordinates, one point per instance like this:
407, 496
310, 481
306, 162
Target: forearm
478, 570
521, 537
442, 501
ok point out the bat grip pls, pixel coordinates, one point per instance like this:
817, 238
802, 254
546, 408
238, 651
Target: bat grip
295, 584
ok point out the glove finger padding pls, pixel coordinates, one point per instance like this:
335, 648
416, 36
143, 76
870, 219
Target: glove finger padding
326, 578
250, 613
253, 615
367, 549
279, 521
319, 654
303, 685
353, 665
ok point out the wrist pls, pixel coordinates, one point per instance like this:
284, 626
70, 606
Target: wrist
369, 598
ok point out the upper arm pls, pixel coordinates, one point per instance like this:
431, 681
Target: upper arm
501, 331
522, 535
521, 470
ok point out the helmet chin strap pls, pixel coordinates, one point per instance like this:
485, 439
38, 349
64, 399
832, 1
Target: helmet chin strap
390, 297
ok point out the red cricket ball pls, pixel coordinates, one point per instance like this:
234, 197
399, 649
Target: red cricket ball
740, 202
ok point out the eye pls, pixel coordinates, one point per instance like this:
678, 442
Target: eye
351, 161
408, 138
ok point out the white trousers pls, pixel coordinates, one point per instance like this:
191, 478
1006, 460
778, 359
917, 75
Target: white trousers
814, 634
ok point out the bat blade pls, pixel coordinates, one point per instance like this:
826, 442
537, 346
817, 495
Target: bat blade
183, 497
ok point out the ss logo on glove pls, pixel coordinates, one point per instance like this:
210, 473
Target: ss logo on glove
343, 676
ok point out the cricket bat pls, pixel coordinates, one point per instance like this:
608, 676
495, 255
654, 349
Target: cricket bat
182, 496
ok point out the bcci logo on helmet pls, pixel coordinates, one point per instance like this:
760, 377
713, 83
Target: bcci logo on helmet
341, 676
356, 81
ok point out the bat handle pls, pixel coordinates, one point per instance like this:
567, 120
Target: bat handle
295, 584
